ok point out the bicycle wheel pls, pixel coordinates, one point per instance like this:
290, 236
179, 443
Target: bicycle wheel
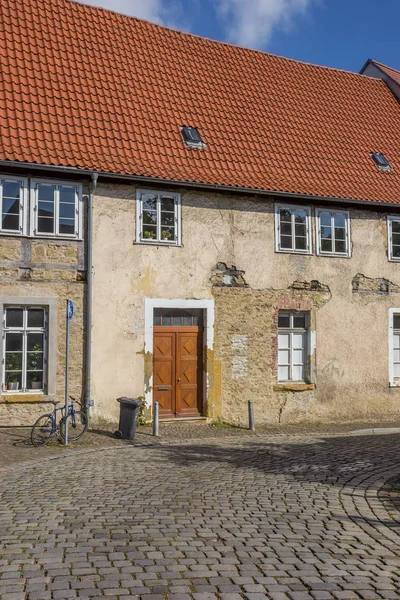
77, 425
42, 430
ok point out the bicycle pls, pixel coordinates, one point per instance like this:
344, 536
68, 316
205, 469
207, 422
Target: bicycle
46, 425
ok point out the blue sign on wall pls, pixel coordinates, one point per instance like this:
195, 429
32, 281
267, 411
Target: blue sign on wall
70, 309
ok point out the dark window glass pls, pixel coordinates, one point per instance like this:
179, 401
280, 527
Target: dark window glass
285, 215
45, 225
395, 226
286, 241
14, 317
34, 361
340, 246
67, 211
13, 342
167, 219
301, 243
35, 317
191, 135
325, 219
67, 226
46, 192
46, 209
168, 204
34, 380
396, 321
326, 245
150, 203
380, 159
11, 190
340, 220
396, 239
149, 232
35, 342
299, 321
149, 218
284, 320
177, 317
67, 195
396, 251
10, 222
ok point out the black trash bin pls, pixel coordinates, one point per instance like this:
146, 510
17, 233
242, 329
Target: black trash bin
129, 408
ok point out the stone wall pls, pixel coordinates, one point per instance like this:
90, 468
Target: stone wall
49, 269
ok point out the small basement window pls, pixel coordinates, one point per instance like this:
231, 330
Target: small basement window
381, 161
192, 137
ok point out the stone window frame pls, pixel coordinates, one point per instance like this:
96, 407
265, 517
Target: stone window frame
393, 381
390, 220
52, 318
331, 211
178, 218
33, 193
292, 208
24, 206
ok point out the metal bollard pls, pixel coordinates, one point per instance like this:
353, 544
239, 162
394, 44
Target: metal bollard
156, 420
252, 425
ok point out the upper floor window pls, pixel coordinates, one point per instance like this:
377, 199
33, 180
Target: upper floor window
24, 348
394, 238
12, 202
333, 232
293, 229
158, 218
55, 209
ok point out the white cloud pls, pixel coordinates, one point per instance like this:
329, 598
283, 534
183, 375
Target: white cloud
252, 22
152, 10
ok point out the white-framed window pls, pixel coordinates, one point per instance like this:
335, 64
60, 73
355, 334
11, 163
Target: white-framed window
393, 238
293, 229
333, 232
24, 359
56, 209
158, 217
292, 345
13, 204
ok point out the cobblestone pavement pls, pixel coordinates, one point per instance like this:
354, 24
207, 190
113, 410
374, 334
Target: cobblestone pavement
279, 517
16, 447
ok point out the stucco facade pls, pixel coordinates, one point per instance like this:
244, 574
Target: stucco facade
348, 300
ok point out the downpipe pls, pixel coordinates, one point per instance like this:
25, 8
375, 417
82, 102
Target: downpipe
89, 292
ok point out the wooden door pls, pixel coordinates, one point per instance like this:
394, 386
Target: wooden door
188, 374
164, 372
178, 371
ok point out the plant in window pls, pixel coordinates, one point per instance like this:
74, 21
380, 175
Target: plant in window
35, 365
166, 234
13, 364
149, 235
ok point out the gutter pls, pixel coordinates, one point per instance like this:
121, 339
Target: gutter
142, 179
89, 295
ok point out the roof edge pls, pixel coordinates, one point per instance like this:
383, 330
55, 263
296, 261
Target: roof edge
193, 184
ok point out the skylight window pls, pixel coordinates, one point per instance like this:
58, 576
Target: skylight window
192, 137
381, 161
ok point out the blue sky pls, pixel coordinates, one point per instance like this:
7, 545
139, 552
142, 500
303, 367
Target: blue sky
336, 33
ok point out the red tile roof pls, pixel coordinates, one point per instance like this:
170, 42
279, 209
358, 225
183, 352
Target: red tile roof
92, 89
395, 75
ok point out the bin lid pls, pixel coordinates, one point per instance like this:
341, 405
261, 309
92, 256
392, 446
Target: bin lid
134, 402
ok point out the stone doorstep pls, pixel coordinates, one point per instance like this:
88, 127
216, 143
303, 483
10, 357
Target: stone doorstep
376, 431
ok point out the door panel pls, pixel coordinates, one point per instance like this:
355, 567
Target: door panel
188, 374
164, 372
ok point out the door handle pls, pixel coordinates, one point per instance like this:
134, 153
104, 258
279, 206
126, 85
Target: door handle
178, 380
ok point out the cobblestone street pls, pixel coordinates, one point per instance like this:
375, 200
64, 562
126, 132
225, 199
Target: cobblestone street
290, 517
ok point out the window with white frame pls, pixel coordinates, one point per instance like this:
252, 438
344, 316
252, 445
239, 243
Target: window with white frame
55, 209
394, 344
394, 237
333, 232
292, 346
13, 204
24, 348
293, 229
158, 218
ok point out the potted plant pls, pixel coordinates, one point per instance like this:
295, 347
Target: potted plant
35, 363
13, 364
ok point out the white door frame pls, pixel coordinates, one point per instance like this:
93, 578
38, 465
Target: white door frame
208, 338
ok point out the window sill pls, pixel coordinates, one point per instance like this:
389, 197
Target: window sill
24, 397
292, 386
170, 244
303, 252
40, 237
333, 255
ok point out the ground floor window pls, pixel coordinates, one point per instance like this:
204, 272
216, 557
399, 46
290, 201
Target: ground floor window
292, 346
24, 348
395, 343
